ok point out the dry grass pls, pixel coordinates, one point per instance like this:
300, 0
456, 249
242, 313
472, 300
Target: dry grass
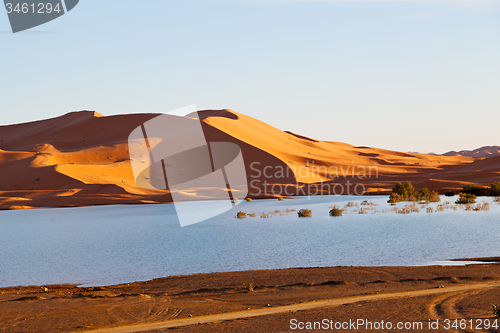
369, 207
496, 310
363, 211
369, 203
305, 213
335, 211
407, 209
249, 286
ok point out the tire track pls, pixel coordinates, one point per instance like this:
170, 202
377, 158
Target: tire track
300, 307
444, 307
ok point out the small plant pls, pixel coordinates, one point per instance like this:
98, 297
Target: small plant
235, 200
394, 197
472, 189
264, 215
305, 213
449, 193
433, 197
497, 200
430, 209
241, 215
406, 192
441, 208
409, 209
485, 206
481, 207
249, 286
466, 198
336, 211
496, 310
280, 198
252, 215
494, 190
248, 199
363, 211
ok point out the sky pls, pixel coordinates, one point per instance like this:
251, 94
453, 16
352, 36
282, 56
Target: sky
403, 75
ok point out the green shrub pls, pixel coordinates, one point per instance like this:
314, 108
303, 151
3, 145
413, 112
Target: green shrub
466, 198
394, 197
450, 193
406, 192
336, 211
305, 213
472, 189
434, 197
494, 190
241, 215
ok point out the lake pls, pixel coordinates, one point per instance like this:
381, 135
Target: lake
118, 244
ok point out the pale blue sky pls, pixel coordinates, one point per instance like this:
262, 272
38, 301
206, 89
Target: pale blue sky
403, 75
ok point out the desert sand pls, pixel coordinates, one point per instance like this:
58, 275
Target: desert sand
82, 159
220, 302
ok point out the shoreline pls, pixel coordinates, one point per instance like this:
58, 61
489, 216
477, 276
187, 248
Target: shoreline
439, 263
467, 262
74, 308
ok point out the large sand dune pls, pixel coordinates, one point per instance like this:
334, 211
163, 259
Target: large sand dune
82, 158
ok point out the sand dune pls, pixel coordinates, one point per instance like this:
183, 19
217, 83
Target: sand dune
488, 151
82, 158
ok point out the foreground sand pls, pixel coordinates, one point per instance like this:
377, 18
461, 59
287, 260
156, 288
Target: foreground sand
396, 294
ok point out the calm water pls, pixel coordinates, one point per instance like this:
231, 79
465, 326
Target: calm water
117, 244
